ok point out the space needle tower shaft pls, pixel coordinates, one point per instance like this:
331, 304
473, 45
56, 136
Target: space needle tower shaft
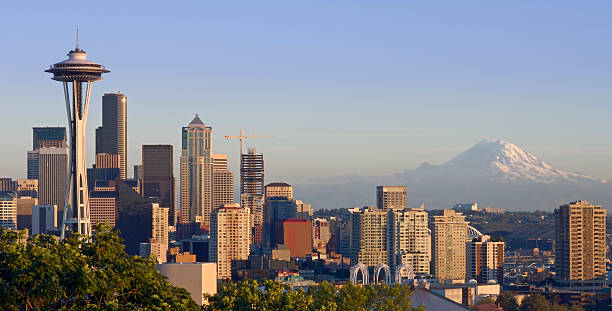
77, 75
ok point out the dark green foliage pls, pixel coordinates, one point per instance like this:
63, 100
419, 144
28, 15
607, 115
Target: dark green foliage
507, 301
43, 273
249, 295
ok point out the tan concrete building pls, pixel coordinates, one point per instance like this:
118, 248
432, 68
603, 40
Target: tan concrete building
8, 210
279, 189
409, 239
580, 246
303, 209
197, 278
485, 260
103, 207
391, 197
53, 176
449, 234
369, 236
223, 182
230, 237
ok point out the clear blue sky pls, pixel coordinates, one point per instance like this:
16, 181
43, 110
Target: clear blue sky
347, 86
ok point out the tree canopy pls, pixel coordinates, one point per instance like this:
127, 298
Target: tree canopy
270, 295
43, 273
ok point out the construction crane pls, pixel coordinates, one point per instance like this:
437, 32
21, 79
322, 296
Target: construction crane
242, 137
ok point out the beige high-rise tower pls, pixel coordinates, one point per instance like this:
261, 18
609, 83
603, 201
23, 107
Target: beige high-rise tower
580, 246
196, 173
391, 197
223, 182
369, 236
449, 236
53, 176
408, 237
230, 236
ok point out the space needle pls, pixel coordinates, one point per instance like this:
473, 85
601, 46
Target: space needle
77, 73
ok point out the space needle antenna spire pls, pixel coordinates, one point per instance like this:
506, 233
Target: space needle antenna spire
77, 75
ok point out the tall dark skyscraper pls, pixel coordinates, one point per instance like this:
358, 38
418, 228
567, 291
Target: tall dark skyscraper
158, 177
112, 136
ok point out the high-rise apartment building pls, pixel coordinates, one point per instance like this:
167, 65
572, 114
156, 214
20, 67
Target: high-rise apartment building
279, 189
449, 234
580, 246
252, 173
8, 210
229, 238
369, 236
391, 197
196, 173
112, 136
485, 260
409, 239
223, 182
158, 177
53, 177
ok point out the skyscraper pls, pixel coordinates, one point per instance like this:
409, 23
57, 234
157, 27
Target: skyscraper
296, 235
229, 237
77, 71
449, 236
391, 197
409, 239
103, 207
53, 170
252, 173
24, 212
223, 182
485, 260
158, 177
369, 236
112, 136
196, 173
580, 246
32, 163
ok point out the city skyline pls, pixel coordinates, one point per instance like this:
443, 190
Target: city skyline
441, 103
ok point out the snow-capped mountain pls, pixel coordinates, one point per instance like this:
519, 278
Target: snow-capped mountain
492, 172
503, 161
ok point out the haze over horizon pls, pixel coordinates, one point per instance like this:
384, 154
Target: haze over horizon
369, 88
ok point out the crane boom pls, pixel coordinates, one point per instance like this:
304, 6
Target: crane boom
242, 137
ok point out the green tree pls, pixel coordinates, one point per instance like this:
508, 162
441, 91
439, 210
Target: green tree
535, 302
44, 273
507, 301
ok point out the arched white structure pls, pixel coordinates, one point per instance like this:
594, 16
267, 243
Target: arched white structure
403, 271
355, 273
382, 267
473, 233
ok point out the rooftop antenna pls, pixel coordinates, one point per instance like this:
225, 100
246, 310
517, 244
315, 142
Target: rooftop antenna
77, 39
